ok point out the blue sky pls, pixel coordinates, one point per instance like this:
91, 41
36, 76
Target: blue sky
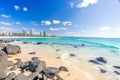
83, 18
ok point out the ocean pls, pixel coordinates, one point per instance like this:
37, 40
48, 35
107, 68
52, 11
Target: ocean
77, 52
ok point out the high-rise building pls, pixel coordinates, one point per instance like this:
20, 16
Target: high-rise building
31, 32
44, 33
24, 32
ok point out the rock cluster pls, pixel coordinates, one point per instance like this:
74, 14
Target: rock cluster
37, 67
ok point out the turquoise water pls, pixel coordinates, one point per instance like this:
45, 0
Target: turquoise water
112, 43
109, 48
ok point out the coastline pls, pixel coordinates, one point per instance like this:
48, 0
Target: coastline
25, 37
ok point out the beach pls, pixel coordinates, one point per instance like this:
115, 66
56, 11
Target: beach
76, 60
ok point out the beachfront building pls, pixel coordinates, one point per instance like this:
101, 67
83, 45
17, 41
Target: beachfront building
32, 32
24, 32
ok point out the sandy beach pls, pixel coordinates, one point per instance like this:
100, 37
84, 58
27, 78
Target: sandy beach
77, 70
49, 55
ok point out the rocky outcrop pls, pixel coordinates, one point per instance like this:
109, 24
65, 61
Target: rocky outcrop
12, 49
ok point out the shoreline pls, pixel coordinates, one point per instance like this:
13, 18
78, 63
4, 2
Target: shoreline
25, 37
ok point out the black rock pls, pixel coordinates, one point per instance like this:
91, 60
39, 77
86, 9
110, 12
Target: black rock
102, 70
25, 42
37, 65
94, 61
39, 42
62, 68
101, 59
116, 72
32, 53
20, 76
58, 50
35, 58
118, 67
12, 49
72, 55
82, 44
51, 72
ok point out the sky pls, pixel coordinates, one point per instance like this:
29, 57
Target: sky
81, 18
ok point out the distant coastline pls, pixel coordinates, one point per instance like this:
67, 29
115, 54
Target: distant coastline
25, 37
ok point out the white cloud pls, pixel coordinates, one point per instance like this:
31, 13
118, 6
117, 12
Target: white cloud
7, 29
18, 23
5, 23
56, 29
105, 28
25, 9
56, 22
86, 3
71, 4
67, 23
16, 7
45, 23
5, 16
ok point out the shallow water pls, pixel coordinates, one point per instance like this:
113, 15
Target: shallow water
109, 48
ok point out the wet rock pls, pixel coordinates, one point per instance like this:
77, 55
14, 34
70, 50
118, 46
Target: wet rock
62, 68
12, 49
82, 44
39, 42
20, 76
44, 77
51, 72
25, 42
32, 53
118, 67
94, 61
58, 50
102, 70
11, 76
37, 65
25, 66
72, 55
101, 59
116, 72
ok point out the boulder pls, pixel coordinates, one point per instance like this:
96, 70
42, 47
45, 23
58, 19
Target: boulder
101, 59
62, 68
12, 49
3, 64
37, 65
20, 76
3, 55
117, 67
51, 72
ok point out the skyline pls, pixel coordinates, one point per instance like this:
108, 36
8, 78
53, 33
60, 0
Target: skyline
80, 18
